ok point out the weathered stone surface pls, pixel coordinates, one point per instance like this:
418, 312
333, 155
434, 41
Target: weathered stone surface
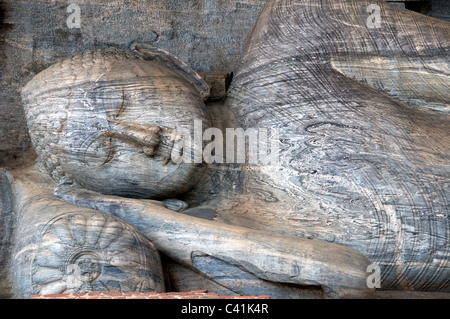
356, 166
268, 256
196, 294
8, 226
363, 169
60, 248
218, 83
422, 81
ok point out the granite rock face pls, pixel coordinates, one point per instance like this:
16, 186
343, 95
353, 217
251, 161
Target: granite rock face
357, 165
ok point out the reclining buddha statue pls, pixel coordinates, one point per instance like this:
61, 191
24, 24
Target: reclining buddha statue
358, 175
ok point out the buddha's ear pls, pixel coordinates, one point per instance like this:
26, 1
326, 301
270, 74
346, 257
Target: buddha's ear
149, 52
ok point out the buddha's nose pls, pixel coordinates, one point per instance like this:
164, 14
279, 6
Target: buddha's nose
145, 137
151, 139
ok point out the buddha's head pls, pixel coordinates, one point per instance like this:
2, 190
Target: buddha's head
107, 121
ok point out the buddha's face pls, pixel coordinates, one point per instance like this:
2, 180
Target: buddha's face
120, 132
131, 153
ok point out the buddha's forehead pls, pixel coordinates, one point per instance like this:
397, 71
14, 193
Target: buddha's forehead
147, 100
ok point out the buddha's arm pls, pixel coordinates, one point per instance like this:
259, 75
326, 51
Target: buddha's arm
269, 256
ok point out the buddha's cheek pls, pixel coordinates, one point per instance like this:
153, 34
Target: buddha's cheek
124, 170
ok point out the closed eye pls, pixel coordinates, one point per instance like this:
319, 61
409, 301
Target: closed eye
111, 152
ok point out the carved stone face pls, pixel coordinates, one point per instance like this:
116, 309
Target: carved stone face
119, 122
